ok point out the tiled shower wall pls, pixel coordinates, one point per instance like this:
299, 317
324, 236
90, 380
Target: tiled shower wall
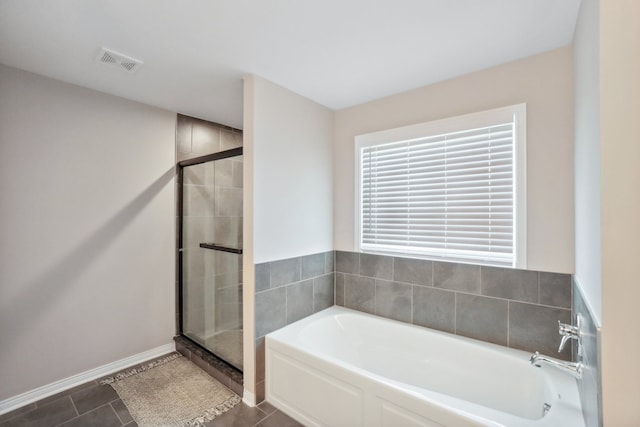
198, 264
288, 290
589, 384
514, 308
212, 213
195, 137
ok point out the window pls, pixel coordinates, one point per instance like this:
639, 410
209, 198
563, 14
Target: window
452, 189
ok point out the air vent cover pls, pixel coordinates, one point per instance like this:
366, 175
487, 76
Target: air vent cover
115, 59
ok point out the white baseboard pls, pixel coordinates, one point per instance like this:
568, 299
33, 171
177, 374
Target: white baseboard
34, 395
248, 398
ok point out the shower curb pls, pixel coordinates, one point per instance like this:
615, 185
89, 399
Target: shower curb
217, 368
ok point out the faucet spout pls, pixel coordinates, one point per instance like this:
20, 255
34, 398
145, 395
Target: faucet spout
569, 332
575, 368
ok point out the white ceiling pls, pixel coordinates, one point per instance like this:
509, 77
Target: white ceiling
337, 52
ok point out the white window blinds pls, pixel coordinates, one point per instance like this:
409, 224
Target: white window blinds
449, 195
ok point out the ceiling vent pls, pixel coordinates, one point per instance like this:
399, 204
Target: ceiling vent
124, 62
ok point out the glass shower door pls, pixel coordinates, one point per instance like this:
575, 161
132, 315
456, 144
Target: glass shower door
211, 253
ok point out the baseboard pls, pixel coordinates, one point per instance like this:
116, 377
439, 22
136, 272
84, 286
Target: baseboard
248, 398
39, 393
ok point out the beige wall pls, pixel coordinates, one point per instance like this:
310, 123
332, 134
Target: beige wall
292, 173
288, 210
248, 271
607, 155
544, 83
620, 209
586, 49
87, 230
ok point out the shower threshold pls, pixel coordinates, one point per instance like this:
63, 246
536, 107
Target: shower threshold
221, 370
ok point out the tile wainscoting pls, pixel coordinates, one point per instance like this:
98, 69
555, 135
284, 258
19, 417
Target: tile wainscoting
514, 308
288, 290
590, 384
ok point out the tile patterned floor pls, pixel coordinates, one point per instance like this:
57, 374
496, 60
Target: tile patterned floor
263, 415
95, 405
87, 405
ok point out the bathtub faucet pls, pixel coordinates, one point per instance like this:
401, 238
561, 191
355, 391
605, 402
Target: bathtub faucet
575, 368
570, 332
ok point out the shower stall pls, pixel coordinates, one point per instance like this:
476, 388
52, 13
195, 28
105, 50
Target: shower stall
209, 244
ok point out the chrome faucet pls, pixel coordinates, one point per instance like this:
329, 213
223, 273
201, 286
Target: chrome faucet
575, 368
569, 332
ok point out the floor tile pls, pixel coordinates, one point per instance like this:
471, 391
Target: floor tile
266, 407
240, 416
104, 416
52, 414
279, 419
121, 411
90, 398
16, 412
72, 390
94, 405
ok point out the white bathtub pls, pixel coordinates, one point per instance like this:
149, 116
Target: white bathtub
341, 367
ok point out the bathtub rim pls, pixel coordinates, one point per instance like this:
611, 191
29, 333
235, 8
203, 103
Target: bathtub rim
570, 403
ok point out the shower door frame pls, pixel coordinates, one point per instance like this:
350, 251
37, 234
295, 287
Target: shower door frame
234, 152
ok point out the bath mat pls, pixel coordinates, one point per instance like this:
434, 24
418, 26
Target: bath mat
172, 392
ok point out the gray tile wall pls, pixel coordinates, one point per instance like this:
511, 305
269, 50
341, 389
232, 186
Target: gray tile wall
198, 273
195, 137
212, 213
227, 231
590, 383
288, 290
514, 308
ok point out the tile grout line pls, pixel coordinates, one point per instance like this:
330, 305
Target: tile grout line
375, 297
116, 412
286, 302
455, 313
268, 415
508, 324
433, 267
103, 405
393, 269
74, 406
473, 294
59, 424
411, 306
313, 295
344, 291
